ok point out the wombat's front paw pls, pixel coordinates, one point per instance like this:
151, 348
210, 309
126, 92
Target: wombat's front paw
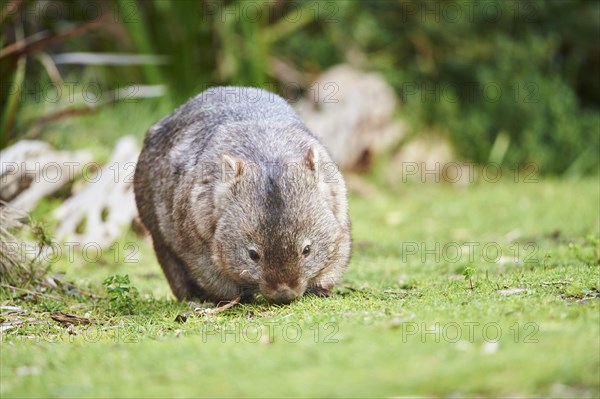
318, 291
247, 297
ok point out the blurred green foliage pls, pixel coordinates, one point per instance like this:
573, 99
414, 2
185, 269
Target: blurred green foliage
479, 70
519, 76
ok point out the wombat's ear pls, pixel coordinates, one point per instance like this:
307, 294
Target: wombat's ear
232, 167
312, 159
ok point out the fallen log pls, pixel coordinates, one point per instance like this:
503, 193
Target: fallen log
105, 206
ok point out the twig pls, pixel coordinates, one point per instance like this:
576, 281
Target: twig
34, 43
29, 291
220, 309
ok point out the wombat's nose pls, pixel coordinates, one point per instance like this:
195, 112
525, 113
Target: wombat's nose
284, 295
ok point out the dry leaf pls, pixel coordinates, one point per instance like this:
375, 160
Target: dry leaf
69, 319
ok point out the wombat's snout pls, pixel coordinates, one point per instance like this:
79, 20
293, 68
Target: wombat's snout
282, 295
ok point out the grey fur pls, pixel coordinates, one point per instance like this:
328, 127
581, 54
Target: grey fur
234, 170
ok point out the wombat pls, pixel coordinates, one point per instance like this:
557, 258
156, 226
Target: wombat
241, 198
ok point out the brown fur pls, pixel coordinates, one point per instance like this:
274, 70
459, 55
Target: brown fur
240, 198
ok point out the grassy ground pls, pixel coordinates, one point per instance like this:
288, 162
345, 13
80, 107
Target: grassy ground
492, 290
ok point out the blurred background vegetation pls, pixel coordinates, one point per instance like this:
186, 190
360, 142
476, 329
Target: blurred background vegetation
520, 75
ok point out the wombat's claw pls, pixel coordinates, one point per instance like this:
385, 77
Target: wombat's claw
319, 291
246, 297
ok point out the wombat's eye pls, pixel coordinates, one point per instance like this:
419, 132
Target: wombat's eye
306, 250
253, 255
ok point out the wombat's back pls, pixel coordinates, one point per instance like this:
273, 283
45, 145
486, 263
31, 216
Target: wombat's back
200, 116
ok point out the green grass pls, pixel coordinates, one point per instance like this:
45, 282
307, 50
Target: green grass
401, 323
404, 321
